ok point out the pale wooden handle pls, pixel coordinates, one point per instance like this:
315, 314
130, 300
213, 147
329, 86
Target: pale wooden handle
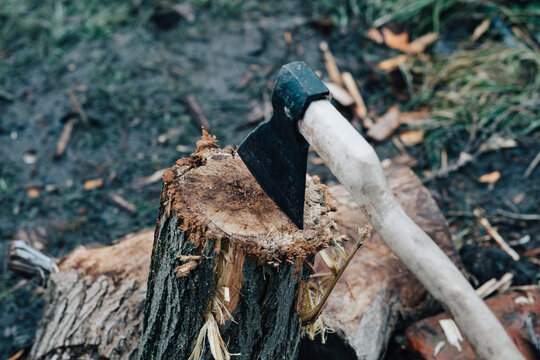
355, 163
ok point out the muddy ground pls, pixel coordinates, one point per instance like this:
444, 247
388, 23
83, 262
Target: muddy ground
130, 79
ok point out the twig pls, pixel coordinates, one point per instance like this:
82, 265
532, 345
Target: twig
312, 315
532, 166
495, 235
529, 217
330, 63
122, 203
64, 137
77, 106
490, 286
464, 159
360, 108
195, 111
147, 180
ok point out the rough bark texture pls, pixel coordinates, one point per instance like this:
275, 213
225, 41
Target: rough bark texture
224, 253
95, 302
376, 290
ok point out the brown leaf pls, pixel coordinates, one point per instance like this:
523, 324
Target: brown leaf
419, 45
93, 184
490, 178
392, 63
386, 125
375, 35
32, 193
412, 137
414, 117
396, 41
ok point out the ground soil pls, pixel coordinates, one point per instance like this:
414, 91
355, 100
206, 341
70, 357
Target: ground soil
130, 84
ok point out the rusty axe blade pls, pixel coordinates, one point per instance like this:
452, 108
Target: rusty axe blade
275, 152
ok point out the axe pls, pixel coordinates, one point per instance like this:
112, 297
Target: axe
276, 155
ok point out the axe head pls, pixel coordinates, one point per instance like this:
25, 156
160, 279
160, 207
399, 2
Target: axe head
275, 152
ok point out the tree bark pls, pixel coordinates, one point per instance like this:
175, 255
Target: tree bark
228, 267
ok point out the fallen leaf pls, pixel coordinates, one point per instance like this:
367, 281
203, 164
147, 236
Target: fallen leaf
93, 184
490, 178
480, 29
395, 41
414, 117
32, 193
386, 125
496, 142
419, 45
412, 137
392, 63
375, 35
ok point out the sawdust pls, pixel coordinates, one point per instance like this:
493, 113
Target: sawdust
215, 196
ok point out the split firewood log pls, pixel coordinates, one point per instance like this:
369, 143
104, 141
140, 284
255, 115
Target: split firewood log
377, 291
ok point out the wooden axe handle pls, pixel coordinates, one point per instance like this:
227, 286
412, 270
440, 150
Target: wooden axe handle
355, 163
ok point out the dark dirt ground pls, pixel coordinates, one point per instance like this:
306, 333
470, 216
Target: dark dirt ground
130, 77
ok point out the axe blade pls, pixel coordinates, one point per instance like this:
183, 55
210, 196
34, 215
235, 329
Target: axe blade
275, 152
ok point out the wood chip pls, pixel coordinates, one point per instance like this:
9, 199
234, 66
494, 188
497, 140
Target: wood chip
93, 184
64, 137
438, 347
492, 232
412, 137
330, 63
340, 94
395, 41
419, 45
490, 178
32, 193
386, 125
375, 35
360, 107
392, 63
186, 268
122, 203
480, 30
451, 332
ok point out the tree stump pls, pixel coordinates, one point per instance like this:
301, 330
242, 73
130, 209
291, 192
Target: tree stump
228, 267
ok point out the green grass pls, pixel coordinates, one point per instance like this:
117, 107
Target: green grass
476, 94
482, 88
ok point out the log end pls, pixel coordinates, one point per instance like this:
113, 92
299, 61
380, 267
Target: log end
215, 196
